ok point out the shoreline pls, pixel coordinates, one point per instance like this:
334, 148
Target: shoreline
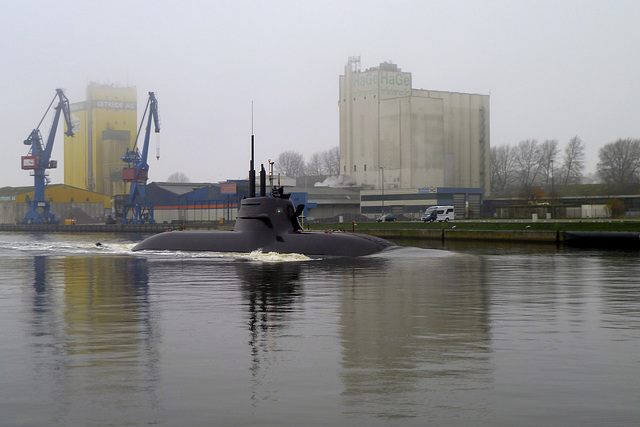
88, 228
582, 238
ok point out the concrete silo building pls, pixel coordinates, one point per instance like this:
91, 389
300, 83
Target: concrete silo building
412, 148
105, 125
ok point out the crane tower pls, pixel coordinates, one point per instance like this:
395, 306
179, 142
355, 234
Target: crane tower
138, 210
39, 160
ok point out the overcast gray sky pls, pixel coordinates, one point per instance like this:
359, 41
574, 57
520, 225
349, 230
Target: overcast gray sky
554, 69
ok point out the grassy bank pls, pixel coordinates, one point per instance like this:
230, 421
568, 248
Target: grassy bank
498, 225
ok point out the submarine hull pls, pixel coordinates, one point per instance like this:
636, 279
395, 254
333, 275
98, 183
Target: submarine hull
269, 224
318, 244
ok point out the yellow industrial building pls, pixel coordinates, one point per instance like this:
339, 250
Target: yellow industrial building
105, 125
61, 193
67, 202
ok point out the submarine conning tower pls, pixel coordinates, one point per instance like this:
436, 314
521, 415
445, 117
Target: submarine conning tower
264, 213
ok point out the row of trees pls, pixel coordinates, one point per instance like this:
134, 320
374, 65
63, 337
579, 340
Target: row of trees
292, 164
515, 170
522, 169
519, 170
178, 177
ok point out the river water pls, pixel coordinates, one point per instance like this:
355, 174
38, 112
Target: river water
468, 334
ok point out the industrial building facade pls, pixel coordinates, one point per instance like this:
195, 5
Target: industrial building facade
395, 137
67, 202
104, 127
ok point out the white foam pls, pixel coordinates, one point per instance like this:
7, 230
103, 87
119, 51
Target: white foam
274, 257
258, 255
54, 248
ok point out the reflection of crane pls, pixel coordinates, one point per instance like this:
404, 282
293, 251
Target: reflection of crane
137, 171
39, 160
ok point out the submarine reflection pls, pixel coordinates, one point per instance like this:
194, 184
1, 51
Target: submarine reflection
406, 329
89, 348
271, 291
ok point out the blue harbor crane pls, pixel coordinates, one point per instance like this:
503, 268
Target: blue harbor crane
137, 171
39, 160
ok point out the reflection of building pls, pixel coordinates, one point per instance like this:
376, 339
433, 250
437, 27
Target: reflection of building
93, 284
104, 126
395, 137
93, 328
410, 331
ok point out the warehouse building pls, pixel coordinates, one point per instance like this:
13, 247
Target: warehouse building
67, 202
411, 141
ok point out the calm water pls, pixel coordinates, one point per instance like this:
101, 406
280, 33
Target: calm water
474, 335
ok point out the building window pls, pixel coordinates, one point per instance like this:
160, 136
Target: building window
354, 168
365, 167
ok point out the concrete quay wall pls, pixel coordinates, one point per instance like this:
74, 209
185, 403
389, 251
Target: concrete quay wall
88, 228
487, 235
443, 235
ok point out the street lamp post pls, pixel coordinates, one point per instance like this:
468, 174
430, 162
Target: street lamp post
271, 174
553, 195
382, 187
552, 189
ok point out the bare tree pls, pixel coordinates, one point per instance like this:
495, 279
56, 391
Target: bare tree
290, 163
315, 165
528, 163
503, 167
532, 164
619, 163
573, 162
324, 163
331, 160
178, 177
549, 150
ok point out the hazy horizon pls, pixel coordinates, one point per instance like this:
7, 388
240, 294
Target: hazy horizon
553, 69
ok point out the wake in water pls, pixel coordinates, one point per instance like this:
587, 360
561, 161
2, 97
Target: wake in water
411, 252
258, 255
62, 248
84, 247
54, 245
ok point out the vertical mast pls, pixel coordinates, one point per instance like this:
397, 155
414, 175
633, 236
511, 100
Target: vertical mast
252, 171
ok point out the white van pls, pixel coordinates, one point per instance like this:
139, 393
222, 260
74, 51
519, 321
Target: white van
438, 213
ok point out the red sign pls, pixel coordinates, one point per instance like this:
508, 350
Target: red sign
228, 188
30, 162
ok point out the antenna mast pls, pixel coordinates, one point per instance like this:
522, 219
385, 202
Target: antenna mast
252, 171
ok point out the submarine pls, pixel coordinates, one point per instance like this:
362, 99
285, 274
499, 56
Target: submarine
268, 223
